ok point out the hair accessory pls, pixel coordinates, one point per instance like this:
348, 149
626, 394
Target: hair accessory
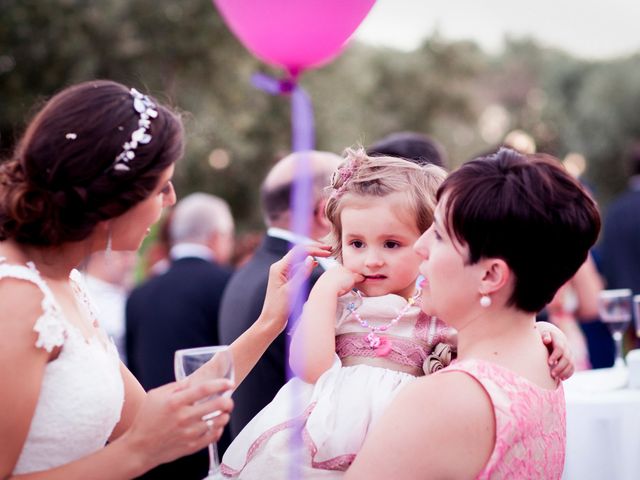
143, 105
341, 177
485, 301
381, 345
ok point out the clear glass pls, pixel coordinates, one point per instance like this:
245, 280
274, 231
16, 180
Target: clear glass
220, 365
636, 313
614, 307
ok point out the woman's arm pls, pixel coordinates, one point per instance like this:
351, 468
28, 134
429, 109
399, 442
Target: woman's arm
285, 277
169, 425
587, 284
313, 344
161, 427
439, 426
21, 367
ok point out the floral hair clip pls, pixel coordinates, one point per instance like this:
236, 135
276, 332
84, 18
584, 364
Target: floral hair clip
341, 177
143, 105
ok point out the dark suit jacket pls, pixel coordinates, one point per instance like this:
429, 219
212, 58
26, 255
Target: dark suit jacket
241, 305
619, 261
178, 309
620, 247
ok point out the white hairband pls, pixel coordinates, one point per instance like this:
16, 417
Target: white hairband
147, 110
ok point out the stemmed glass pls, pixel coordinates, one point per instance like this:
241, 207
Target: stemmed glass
220, 365
614, 307
636, 313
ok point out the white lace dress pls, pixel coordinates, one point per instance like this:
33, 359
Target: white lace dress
82, 392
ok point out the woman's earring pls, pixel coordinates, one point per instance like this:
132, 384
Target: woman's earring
108, 249
485, 301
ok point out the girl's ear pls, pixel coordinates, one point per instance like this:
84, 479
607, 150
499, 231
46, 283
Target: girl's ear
495, 275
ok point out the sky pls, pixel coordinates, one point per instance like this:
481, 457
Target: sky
590, 29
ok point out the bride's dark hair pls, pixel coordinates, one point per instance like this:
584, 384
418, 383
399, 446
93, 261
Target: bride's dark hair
60, 181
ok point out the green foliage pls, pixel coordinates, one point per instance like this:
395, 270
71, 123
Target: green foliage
184, 54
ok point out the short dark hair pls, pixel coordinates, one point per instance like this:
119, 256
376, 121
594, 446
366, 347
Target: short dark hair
60, 181
526, 210
413, 146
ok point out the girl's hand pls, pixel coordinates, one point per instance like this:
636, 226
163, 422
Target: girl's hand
561, 356
338, 280
286, 277
169, 424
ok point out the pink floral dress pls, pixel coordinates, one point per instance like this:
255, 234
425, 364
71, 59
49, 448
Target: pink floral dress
315, 431
530, 423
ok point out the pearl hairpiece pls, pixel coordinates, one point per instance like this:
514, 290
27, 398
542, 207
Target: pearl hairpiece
147, 110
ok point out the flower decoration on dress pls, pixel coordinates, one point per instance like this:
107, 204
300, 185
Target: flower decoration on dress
146, 109
439, 358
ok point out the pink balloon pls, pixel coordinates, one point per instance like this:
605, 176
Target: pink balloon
294, 34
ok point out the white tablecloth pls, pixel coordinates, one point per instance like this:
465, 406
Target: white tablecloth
603, 427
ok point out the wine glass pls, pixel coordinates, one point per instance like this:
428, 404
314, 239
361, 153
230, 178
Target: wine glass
636, 313
614, 307
219, 365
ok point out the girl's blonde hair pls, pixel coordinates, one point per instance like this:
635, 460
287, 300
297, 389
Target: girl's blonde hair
362, 175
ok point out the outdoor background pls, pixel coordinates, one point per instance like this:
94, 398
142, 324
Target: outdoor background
465, 95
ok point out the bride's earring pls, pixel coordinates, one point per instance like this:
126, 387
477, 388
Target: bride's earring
485, 301
108, 249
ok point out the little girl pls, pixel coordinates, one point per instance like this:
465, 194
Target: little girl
361, 336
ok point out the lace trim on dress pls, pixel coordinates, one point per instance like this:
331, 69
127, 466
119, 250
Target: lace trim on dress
50, 326
403, 351
340, 463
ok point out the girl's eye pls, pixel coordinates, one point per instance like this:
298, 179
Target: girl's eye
357, 244
391, 244
436, 234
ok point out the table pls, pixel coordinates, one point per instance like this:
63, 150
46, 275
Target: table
603, 426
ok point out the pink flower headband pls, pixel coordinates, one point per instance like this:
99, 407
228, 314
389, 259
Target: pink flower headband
341, 177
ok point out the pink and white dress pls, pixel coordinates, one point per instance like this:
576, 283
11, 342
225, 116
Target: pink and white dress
530, 423
315, 431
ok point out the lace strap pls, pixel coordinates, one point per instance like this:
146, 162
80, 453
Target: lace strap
50, 326
81, 292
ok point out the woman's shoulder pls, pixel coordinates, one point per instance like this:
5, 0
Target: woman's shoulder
454, 413
29, 311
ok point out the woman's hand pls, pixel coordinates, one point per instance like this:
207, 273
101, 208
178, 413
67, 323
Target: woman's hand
561, 357
286, 277
169, 424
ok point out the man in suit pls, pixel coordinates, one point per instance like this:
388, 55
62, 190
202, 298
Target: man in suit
619, 255
242, 300
179, 308
620, 247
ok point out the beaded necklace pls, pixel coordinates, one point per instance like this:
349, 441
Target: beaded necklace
381, 344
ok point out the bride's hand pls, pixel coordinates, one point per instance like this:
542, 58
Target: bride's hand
170, 425
286, 277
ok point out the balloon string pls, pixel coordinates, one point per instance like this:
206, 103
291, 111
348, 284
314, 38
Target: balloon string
302, 122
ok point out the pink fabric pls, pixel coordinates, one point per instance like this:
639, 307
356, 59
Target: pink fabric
403, 351
331, 418
530, 423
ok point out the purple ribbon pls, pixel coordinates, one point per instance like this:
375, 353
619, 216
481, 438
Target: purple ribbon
302, 140
302, 126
